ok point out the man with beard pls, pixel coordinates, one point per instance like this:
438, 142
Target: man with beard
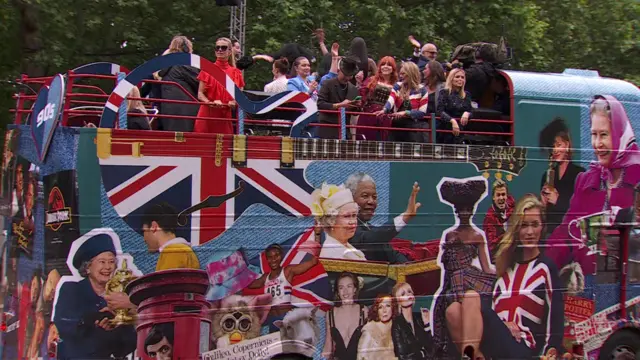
495, 222
374, 241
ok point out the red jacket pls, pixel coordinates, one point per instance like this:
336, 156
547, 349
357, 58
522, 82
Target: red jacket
494, 224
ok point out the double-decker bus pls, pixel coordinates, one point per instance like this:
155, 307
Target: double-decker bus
518, 242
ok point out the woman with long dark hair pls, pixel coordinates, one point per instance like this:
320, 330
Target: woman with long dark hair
345, 321
557, 183
434, 80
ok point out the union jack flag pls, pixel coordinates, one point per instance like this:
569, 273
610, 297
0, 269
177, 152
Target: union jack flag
523, 296
132, 183
312, 287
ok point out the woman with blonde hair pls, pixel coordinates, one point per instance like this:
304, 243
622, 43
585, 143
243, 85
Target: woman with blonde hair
215, 114
411, 333
453, 107
337, 214
407, 106
525, 317
186, 77
135, 106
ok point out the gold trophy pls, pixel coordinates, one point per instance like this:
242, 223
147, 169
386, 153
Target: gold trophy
116, 284
551, 173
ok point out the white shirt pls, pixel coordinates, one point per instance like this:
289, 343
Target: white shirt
276, 86
177, 240
333, 249
397, 221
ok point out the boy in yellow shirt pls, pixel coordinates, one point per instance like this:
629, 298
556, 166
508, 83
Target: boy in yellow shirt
158, 227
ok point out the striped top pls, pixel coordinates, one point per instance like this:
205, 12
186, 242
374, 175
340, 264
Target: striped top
416, 105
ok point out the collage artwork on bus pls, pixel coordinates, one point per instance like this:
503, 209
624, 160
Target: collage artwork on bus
421, 256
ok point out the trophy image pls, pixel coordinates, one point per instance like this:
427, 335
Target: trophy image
551, 173
117, 283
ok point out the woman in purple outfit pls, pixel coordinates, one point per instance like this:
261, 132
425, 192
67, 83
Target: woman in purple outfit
608, 182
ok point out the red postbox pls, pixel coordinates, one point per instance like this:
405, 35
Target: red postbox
173, 314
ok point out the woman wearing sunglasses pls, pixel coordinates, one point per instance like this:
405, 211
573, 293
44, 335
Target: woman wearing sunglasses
213, 114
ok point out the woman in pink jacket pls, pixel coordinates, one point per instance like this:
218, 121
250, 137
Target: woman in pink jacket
608, 182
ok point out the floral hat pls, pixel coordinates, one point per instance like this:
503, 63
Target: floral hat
329, 199
228, 274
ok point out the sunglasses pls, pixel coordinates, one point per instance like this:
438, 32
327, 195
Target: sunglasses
222, 48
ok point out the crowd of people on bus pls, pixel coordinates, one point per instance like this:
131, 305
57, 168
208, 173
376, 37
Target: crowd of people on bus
392, 93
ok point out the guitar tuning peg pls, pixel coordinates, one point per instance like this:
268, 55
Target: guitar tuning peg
509, 177
498, 175
486, 174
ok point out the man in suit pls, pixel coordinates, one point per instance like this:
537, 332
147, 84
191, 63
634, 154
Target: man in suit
335, 94
374, 241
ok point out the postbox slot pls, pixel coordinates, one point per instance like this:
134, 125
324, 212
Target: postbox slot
187, 309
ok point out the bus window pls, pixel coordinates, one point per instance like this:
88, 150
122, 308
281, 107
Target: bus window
634, 255
608, 257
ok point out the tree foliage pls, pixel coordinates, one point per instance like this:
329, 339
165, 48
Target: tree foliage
44, 36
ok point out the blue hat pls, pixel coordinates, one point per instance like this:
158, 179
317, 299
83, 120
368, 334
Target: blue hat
228, 273
92, 247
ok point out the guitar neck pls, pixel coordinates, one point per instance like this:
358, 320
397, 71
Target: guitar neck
362, 150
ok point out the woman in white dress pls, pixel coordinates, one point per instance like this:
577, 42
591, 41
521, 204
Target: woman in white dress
337, 214
376, 341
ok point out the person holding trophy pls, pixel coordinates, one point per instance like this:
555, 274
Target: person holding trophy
608, 183
557, 183
81, 314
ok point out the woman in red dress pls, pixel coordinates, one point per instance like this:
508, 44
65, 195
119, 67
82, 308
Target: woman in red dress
218, 102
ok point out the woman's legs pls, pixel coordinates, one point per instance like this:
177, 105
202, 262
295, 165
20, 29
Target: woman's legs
453, 316
464, 321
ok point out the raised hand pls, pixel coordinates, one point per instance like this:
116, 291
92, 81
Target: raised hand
413, 206
413, 41
335, 49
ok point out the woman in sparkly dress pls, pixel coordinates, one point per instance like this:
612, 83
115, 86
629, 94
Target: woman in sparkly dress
375, 92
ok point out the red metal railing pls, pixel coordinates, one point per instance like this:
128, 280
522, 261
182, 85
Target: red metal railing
98, 96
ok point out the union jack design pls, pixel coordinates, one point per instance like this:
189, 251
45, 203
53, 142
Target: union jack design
523, 296
133, 183
120, 92
312, 287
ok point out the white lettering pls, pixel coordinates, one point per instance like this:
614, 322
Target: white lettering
59, 216
46, 114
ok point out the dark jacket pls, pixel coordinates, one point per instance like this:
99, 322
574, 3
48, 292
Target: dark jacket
406, 344
374, 242
76, 310
331, 93
187, 77
479, 76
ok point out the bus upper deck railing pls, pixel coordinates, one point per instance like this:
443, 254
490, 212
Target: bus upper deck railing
82, 101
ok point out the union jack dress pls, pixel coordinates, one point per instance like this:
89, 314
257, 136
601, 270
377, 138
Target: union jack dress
528, 296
